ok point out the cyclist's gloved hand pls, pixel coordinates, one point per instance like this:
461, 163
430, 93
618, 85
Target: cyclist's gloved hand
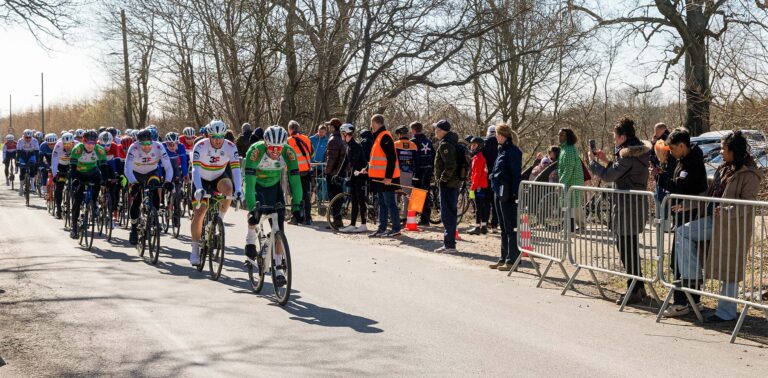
199, 194
168, 186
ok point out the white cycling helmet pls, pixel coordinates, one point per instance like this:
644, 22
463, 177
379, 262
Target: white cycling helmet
79, 133
171, 137
9, 138
117, 132
28, 133
217, 127
67, 138
51, 138
105, 138
39, 135
188, 132
347, 128
275, 136
151, 126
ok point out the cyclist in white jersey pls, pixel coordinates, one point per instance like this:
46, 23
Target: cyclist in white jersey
60, 166
140, 169
210, 159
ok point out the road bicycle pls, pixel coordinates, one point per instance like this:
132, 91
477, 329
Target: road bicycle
271, 240
50, 202
106, 202
148, 227
12, 172
462, 205
186, 199
123, 209
171, 212
212, 243
26, 184
89, 215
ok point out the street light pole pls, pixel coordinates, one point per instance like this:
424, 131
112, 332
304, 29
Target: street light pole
42, 102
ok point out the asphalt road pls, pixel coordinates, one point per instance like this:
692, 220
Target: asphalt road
358, 308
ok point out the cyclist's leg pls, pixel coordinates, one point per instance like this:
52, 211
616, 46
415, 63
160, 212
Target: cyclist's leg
78, 188
58, 192
224, 186
7, 165
155, 195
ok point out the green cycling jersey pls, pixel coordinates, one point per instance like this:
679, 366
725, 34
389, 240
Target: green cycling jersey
263, 171
84, 161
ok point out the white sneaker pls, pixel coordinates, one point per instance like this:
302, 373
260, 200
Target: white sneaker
362, 228
194, 256
674, 311
446, 250
349, 229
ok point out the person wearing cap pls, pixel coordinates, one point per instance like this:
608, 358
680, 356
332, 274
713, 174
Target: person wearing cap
490, 152
335, 161
406, 151
479, 185
448, 182
355, 171
505, 181
384, 172
303, 148
243, 141
424, 159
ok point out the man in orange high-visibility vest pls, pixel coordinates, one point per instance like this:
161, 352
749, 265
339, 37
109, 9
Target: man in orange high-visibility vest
303, 147
384, 171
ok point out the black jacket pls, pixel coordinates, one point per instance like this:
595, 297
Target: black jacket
507, 170
490, 152
256, 136
446, 169
243, 143
366, 142
425, 152
689, 176
356, 161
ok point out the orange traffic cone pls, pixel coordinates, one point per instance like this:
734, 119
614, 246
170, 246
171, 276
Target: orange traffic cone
525, 235
411, 224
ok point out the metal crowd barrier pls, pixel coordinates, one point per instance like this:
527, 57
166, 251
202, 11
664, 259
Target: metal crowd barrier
612, 232
718, 251
541, 226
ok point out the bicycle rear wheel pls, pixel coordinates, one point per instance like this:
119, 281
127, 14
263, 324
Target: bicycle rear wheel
344, 201
257, 278
108, 217
176, 215
216, 249
26, 189
153, 236
91, 219
282, 292
65, 204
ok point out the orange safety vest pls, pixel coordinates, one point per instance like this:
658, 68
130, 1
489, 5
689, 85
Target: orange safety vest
377, 165
301, 156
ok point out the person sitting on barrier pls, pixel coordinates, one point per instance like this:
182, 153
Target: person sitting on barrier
728, 229
689, 177
629, 215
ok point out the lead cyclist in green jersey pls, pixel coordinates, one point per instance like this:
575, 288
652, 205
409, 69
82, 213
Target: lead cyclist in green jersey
265, 162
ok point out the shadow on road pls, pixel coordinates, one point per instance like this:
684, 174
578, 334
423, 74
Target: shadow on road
327, 317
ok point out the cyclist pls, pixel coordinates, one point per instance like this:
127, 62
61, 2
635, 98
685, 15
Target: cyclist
79, 135
178, 157
114, 165
140, 170
26, 155
87, 164
9, 152
39, 136
264, 165
210, 159
357, 179
60, 166
203, 134
46, 150
187, 138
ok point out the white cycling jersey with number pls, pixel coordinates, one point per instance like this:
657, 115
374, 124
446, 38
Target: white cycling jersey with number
60, 156
138, 161
209, 163
28, 147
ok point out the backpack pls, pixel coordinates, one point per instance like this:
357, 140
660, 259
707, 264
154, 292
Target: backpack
463, 161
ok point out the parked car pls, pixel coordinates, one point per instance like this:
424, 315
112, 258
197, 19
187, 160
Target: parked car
709, 142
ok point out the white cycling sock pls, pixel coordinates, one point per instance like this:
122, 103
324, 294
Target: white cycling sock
250, 238
195, 248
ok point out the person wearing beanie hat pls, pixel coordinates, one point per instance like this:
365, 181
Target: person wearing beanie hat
490, 152
505, 181
447, 177
491, 131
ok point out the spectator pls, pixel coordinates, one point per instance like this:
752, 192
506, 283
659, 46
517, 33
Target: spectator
357, 179
689, 177
244, 140
628, 171
449, 182
570, 172
728, 230
660, 133
547, 160
335, 158
406, 151
479, 185
490, 151
257, 135
422, 173
384, 172
303, 147
505, 181
230, 136
319, 144
366, 142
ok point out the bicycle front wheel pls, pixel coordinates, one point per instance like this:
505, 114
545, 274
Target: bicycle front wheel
26, 189
91, 218
344, 202
282, 290
257, 277
153, 236
216, 249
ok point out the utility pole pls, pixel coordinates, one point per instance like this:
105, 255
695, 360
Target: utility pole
128, 105
10, 116
42, 102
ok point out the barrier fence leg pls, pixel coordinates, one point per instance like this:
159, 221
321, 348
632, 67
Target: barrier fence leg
516, 264
546, 270
597, 283
739, 323
665, 304
654, 294
535, 265
570, 281
630, 290
765, 310
695, 308
567, 277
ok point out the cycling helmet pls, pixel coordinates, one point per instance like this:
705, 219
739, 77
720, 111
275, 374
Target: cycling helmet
51, 138
217, 127
28, 133
204, 130
102, 129
128, 131
9, 138
39, 135
67, 138
153, 133
347, 128
247, 128
188, 132
105, 138
118, 133
135, 134
79, 133
479, 141
126, 143
172, 137
144, 136
275, 136
90, 136
112, 131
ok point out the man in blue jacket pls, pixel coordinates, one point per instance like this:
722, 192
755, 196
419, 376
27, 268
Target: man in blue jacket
505, 181
424, 158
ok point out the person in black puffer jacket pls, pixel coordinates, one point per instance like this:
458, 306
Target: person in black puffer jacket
356, 163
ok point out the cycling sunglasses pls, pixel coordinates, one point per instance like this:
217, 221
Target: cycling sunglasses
146, 143
274, 149
90, 142
217, 136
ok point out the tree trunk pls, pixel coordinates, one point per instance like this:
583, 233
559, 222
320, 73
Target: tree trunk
288, 102
697, 88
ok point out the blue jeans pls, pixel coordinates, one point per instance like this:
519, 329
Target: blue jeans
449, 199
388, 210
687, 253
725, 309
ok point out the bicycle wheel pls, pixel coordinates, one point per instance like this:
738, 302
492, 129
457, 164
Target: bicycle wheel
216, 249
434, 215
164, 217
27, 183
141, 228
282, 292
100, 222
91, 220
65, 204
153, 236
257, 280
83, 224
176, 214
344, 201
107, 214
